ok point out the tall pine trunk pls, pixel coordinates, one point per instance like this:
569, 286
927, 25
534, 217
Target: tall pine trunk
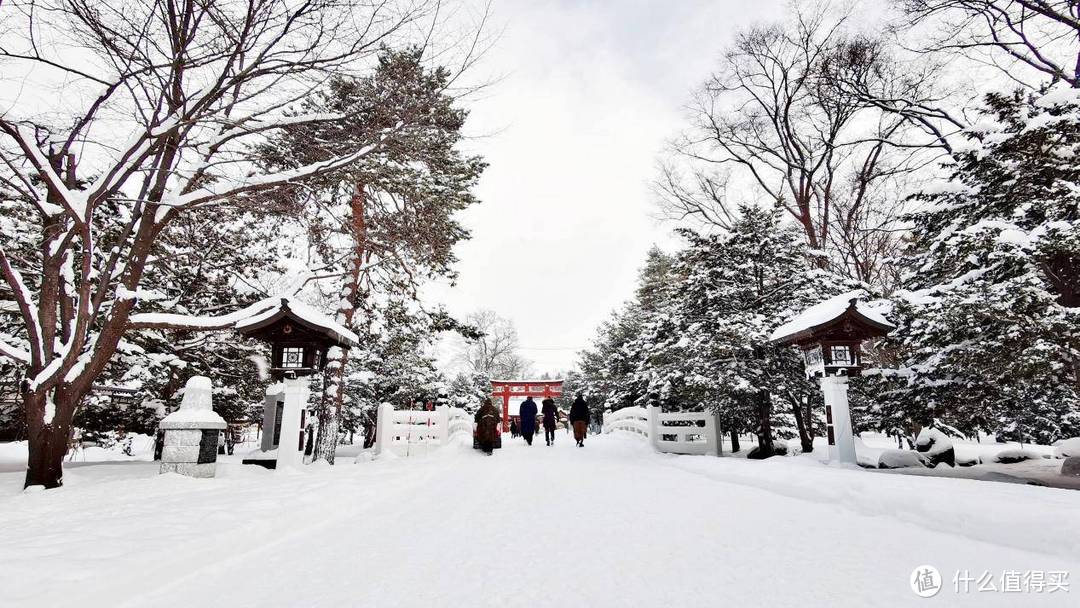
330, 414
326, 441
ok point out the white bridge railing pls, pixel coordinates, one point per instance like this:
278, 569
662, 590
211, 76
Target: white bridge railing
415, 432
673, 433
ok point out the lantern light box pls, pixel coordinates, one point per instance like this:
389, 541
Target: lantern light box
299, 337
831, 334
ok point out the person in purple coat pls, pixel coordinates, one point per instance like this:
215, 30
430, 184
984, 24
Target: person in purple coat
527, 413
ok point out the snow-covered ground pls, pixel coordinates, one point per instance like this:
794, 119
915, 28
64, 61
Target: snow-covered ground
611, 524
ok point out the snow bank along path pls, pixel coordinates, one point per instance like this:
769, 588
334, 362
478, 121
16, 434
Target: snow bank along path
612, 524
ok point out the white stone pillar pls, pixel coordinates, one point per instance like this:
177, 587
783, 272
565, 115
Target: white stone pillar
836, 398
716, 433
654, 427
442, 422
290, 449
384, 429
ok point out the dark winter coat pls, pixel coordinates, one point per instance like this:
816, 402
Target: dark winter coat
528, 417
550, 414
487, 419
579, 411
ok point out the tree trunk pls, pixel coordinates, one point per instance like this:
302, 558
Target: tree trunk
48, 443
326, 443
734, 441
329, 415
805, 439
765, 439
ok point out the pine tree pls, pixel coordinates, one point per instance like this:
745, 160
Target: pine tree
381, 227
608, 370
709, 347
991, 320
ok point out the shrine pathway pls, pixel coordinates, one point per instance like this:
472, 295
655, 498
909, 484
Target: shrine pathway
611, 524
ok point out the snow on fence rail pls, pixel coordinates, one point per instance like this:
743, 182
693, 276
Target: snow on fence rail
630, 419
414, 432
671, 433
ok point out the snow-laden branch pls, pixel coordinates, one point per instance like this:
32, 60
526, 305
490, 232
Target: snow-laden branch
24, 301
269, 180
156, 320
14, 353
74, 202
259, 126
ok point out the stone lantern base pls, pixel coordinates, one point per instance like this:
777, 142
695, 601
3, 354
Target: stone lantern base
191, 452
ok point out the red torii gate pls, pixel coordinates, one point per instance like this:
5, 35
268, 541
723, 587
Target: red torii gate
538, 389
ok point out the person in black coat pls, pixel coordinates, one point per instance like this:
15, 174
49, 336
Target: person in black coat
527, 413
550, 415
579, 417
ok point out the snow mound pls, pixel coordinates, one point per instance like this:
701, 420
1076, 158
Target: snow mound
936, 446
901, 459
780, 448
1068, 447
1014, 456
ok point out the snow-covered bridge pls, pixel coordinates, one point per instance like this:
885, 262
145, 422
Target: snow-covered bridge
613, 523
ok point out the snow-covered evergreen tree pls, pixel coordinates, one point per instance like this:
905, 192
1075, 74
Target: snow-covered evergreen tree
709, 347
468, 389
381, 227
608, 369
990, 323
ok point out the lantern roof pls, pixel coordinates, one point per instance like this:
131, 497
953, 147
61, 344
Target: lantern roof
844, 314
298, 313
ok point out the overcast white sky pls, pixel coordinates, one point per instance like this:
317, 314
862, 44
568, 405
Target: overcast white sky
592, 90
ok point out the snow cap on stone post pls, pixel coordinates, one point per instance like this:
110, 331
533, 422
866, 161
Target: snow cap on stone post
196, 410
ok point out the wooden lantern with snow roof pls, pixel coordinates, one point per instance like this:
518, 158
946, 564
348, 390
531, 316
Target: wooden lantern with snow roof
299, 337
831, 334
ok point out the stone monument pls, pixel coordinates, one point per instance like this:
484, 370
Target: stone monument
191, 432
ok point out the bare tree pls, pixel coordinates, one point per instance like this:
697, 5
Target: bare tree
1043, 35
774, 116
160, 105
495, 353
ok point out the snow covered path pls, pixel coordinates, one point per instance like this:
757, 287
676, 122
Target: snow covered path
611, 524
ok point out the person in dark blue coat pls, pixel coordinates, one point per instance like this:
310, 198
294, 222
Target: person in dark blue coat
527, 413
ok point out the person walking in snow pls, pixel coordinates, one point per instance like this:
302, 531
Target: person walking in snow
513, 428
527, 413
579, 417
487, 418
550, 415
